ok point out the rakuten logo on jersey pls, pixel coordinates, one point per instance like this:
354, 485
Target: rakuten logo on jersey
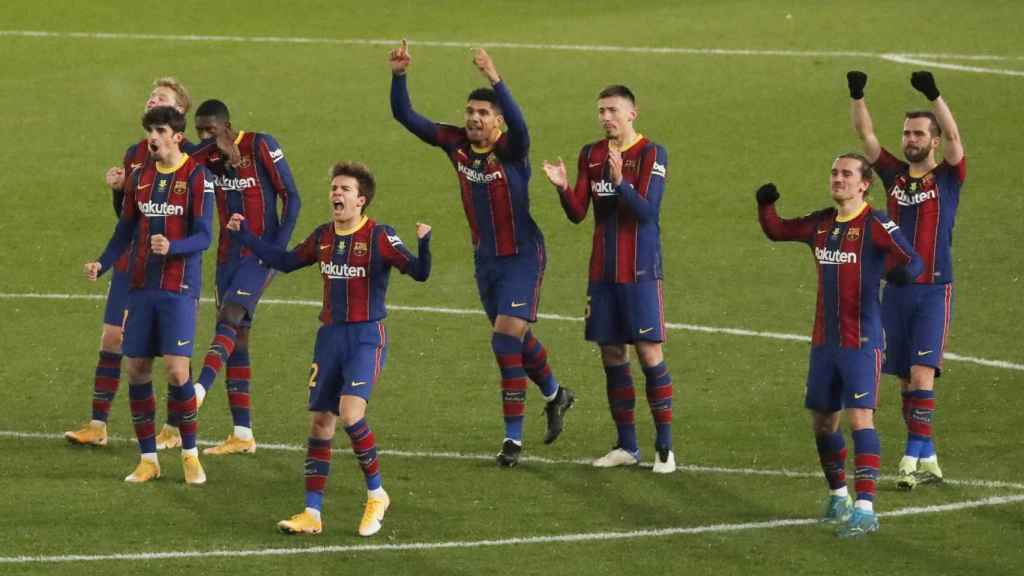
238, 184
151, 209
602, 188
342, 271
478, 177
904, 199
826, 256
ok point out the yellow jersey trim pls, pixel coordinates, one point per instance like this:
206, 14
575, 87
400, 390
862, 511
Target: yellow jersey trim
172, 169
854, 217
351, 230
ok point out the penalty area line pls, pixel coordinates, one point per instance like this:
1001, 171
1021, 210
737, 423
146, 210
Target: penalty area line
558, 317
579, 537
690, 468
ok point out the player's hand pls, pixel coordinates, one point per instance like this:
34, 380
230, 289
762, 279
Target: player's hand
235, 223
767, 194
856, 80
556, 174
924, 82
483, 62
115, 178
92, 270
399, 58
226, 144
898, 276
422, 230
159, 244
615, 165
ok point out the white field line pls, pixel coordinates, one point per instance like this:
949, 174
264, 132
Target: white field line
691, 468
476, 312
927, 59
553, 539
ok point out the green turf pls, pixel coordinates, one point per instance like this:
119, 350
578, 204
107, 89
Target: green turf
69, 107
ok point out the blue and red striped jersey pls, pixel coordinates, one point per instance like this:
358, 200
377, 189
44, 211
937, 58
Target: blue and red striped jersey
493, 183
850, 257
627, 232
176, 203
252, 190
925, 209
355, 266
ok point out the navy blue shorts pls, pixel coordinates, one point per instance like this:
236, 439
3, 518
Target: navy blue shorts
347, 360
841, 378
159, 323
625, 313
117, 299
242, 282
510, 285
916, 320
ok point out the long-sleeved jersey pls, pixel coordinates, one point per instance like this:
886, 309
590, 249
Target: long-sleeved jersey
355, 266
177, 203
850, 256
493, 183
252, 189
925, 209
627, 243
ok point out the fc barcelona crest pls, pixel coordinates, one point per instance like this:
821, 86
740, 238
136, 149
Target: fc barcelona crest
853, 234
180, 187
245, 163
359, 248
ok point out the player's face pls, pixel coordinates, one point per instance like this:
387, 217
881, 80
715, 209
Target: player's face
346, 203
918, 142
163, 96
482, 121
209, 127
616, 115
162, 141
846, 180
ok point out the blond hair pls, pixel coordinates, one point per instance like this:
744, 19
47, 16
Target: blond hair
180, 92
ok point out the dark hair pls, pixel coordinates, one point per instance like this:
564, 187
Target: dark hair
485, 95
866, 173
362, 174
934, 128
164, 115
214, 108
618, 90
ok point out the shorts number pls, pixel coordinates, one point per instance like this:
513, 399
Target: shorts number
314, 370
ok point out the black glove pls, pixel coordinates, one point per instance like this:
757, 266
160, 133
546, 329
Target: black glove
856, 80
898, 276
924, 82
767, 194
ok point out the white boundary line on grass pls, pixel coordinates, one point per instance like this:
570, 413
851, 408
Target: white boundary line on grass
692, 468
560, 538
476, 312
923, 59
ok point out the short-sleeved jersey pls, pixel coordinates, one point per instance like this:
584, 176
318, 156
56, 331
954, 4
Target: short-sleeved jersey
925, 210
850, 257
493, 183
252, 189
627, 244
355, 266
176, 203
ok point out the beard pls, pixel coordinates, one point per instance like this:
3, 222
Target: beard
915, 155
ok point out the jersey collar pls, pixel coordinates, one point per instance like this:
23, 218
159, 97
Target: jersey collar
351, 230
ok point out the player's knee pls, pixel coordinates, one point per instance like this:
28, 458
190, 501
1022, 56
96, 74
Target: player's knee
322, 425
823, 424
232, 313
650, 353
111, 339
511, 326
613, 354
353, 409
138, 370
861, 418
922, 378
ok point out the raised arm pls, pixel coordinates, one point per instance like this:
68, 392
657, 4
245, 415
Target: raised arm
273, 160
860, 116
201, 188
778, 229
952, 147
645, 203
272, 255
397, 255
401, 106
